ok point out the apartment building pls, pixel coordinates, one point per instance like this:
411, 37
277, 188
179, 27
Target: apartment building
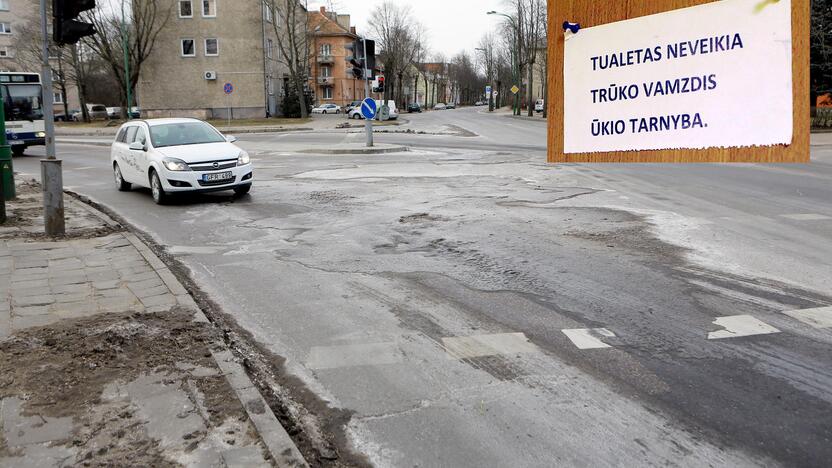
17, 17
207, 45
331, 76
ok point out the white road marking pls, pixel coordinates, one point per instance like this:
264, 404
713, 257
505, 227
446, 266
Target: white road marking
370, 354
589, 338
807, 217
817, 318
740, 325
463, 347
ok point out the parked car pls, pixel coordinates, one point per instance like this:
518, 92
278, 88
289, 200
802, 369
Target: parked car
96, 112
538, 106
178, 155
351, 106
480, 103
327, 109
135, 113
61, 117
411, 108
450, 105
114, 112
394, 111
440, 106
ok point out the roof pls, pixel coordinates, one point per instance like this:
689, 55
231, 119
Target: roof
328, 25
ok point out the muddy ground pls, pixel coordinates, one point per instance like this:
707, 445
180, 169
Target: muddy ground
68, 370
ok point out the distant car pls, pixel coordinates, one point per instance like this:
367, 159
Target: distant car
355, 114
327, 109
411, 108
61, 117
135, 113
95, 111
178, 155
450, 105
114, 112
391, 105
538, 106
440, 106
480, 103
351, 106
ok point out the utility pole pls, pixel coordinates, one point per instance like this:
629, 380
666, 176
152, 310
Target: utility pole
51, 173
368, 124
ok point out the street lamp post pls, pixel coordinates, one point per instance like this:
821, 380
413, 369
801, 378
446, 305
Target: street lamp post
124, 43
517, 77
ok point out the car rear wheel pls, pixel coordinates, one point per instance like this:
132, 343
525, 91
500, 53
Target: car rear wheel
121, 185
159, 195
18, 150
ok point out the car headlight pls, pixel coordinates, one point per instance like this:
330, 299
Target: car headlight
175, 164
243, 159
41, 134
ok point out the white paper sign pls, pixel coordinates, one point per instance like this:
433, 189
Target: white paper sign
715, 75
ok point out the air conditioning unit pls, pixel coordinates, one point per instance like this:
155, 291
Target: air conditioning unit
210, 75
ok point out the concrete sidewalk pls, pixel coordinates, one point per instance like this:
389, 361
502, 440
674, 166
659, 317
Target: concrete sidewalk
105, 357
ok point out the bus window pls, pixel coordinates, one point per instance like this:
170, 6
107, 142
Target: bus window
23, 102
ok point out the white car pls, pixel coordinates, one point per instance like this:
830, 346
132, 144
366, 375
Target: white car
327, 109
538, 106
391, 105
178, 155
440, 106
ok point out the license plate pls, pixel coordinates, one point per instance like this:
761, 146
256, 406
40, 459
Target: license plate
16, 142
216, 177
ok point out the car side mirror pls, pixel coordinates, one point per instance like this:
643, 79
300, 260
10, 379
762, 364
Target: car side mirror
136, 146
231, 139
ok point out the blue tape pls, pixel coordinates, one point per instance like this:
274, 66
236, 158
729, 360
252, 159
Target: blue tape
574, 27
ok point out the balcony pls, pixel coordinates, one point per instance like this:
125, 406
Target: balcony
326, 59
326, 81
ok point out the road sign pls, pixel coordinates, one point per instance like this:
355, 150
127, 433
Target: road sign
228, 88
515, 89
369, 108
488, 90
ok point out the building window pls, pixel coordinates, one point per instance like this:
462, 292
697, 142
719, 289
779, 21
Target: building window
186, 9
269, 48
188, 49
326, 72
327, 92
209, 8
212, 47
5, 28
326, 49
4, 5
267, 12
4, 52
57, 98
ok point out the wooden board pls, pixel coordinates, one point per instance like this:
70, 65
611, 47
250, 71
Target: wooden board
593, 13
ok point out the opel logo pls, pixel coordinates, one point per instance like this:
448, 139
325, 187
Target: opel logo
216, 165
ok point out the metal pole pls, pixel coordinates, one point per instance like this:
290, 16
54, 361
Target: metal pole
51, 174
5, 155
368, 124
124, 41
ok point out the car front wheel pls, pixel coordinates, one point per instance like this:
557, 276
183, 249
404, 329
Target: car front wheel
241, 190
121, 185
156, 189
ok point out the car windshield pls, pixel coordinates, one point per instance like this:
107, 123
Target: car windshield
183, 133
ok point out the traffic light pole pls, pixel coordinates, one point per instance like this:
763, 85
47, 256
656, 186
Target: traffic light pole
368, 124
51, 176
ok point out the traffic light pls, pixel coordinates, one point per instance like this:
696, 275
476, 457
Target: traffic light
66, 29
359, 62
380, 88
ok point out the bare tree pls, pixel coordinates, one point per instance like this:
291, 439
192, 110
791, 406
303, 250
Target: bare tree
147, 18
291, 27
487, 60
400, 39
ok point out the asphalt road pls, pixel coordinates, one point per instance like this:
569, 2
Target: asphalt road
470, 305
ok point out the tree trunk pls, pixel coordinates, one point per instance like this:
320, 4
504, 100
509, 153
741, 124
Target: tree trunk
530, 95
304, 111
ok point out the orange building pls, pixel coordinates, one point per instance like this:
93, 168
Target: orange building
331, 76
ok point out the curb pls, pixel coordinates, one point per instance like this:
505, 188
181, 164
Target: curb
282, 449
221, 129
373, 150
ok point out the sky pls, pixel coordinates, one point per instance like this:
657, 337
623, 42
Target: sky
452, 25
